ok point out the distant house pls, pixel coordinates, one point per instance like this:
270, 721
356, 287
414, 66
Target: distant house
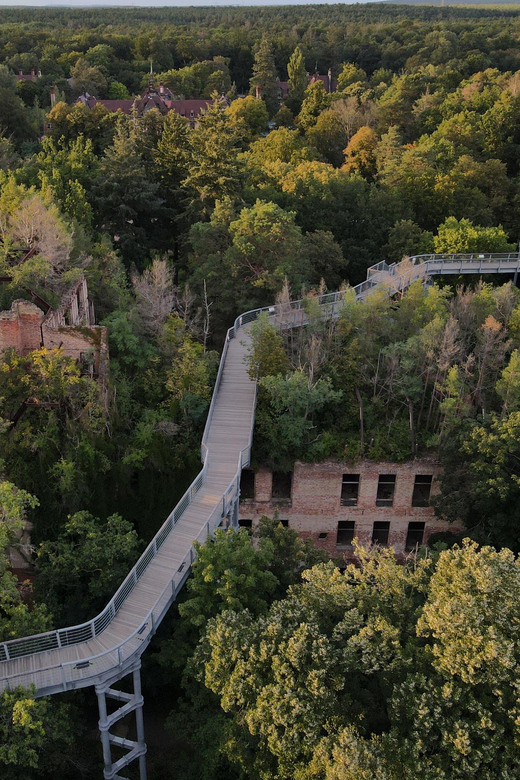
329, 83
32, 76
162, 99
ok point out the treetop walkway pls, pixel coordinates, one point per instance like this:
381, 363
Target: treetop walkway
109, 647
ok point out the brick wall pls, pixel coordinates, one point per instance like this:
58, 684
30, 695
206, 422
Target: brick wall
315, 505
20, 327
25, 328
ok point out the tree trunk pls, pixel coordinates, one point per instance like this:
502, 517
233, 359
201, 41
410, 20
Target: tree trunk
412, 428
361, 421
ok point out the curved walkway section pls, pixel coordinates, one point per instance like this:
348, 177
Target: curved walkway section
109, 645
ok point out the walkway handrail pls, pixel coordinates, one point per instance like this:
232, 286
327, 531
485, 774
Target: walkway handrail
50, 640
62, 637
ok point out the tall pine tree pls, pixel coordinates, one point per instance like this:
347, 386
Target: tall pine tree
297, 80
127, 199
264, 79
215, 171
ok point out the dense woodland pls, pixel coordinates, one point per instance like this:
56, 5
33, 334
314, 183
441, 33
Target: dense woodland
177, 230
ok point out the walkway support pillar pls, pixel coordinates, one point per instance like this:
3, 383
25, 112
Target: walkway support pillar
130, 702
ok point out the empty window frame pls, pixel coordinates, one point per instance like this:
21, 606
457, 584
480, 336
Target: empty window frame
380, 533
345, 532
385, 490
245, 522
422, 489
414, 537
285, 523
349, 489
247, 484
282, 486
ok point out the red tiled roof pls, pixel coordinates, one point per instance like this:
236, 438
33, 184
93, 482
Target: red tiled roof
188, 107
113, 105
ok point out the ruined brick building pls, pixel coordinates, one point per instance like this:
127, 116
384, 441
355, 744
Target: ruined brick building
333, 503
28, 326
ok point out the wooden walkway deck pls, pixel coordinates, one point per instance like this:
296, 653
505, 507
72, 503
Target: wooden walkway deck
106, 647
228, 434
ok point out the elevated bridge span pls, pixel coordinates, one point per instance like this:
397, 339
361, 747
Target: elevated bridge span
104, 650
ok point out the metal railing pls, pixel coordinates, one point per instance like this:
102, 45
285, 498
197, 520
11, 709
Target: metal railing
68, 674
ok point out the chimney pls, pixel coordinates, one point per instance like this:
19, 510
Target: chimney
20, 72
32, 72
161, 88
39, 74
53, 97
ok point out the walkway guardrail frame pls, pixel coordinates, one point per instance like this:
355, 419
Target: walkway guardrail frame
90, 669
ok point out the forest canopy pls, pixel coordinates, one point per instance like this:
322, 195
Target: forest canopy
330, 138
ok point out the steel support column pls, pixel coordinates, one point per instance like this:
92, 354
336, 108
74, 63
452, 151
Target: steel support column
236, 511
131, 702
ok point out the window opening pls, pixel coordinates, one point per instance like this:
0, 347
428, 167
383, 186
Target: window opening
247, 484
323, 535
349, 489
421, 490
380, 533
345, 532
245, 522
282, 486
414, 537
385, 490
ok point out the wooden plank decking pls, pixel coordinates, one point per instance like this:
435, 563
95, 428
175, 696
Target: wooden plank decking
128, 632
229, 433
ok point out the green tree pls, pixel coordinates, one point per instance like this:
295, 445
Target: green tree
16, 619
479, 484
315, 101
264, 79
81, 569
228, 574
288, 416
250, 113
118, 91
267, 353
325, 259
378, 672
68, 122
126, 197
405, 239
265, 250
508, 386
360, 154
215, 172
329, 137
36, 736
463, 236
350, 74
88, 78
297, 80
